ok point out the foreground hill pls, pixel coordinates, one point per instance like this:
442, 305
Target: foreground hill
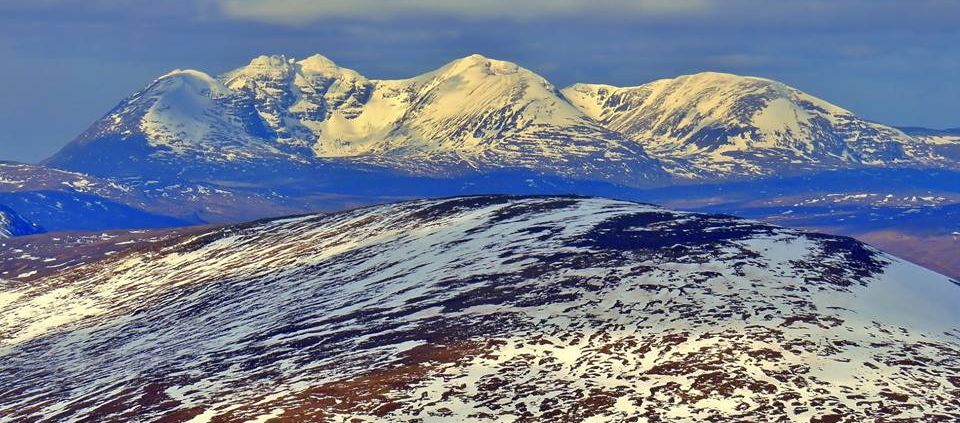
482, 308
913, 214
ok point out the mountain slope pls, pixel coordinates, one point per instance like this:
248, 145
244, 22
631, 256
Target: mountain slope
12, 224
183, 123
945, 142
482, 308
66, 200
720, 125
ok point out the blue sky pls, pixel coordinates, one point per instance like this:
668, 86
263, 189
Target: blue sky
66, 63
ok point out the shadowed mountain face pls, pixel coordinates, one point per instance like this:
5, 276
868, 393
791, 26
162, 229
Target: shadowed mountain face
59, 200
473, 308
12, 224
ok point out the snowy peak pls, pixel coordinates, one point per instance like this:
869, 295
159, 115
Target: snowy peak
713, 95
723, 124
317, 63
476, 64
180, 105
294, 98
321, 66
271, 61
476, 99
467, 75
178, 96
261, 69
194, 81
281, 69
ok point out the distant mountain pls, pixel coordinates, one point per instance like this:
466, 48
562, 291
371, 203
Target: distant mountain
484, 308
12, 224
278, 120
714, 125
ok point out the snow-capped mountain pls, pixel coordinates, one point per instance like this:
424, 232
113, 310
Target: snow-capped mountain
278, 117
470, 115
12, 224
712, 125
485, 308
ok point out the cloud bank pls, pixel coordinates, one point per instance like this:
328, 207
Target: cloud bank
304, 11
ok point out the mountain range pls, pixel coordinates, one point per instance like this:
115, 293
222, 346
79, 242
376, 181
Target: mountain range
479, 309
475, 115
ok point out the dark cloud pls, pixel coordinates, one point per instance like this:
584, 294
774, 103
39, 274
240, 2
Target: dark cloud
68, 62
